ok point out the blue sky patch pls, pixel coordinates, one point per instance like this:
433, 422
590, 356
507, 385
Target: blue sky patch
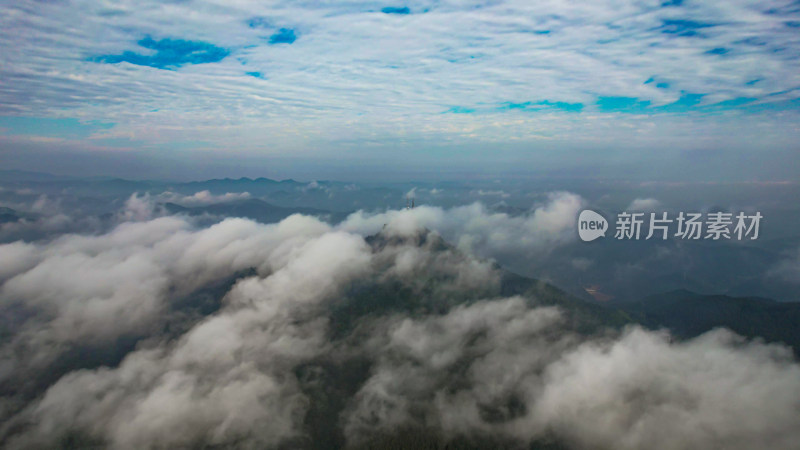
511, 105
460, 110
283, 36
683, 104
718, 51
69, 128
169, 54
682, 27
659, 85
686, 103
396, 10
622, 104
542, 105
255, 74
259, 22
564, 106
634, 105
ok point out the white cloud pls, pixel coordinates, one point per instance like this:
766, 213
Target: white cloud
644, 204
202, 198
476, 230
503, 368
94, 289
493, 193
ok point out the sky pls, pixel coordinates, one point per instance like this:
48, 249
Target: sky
426, 89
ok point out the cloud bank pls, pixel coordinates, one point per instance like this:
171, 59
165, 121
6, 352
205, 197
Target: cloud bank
164, 333
340, 80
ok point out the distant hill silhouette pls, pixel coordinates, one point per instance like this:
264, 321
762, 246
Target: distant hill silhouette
687, 314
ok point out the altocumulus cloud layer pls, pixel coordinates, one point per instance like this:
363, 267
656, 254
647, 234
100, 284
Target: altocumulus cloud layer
161, 333
260, 78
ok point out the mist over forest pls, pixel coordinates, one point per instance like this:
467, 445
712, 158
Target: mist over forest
254, 313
